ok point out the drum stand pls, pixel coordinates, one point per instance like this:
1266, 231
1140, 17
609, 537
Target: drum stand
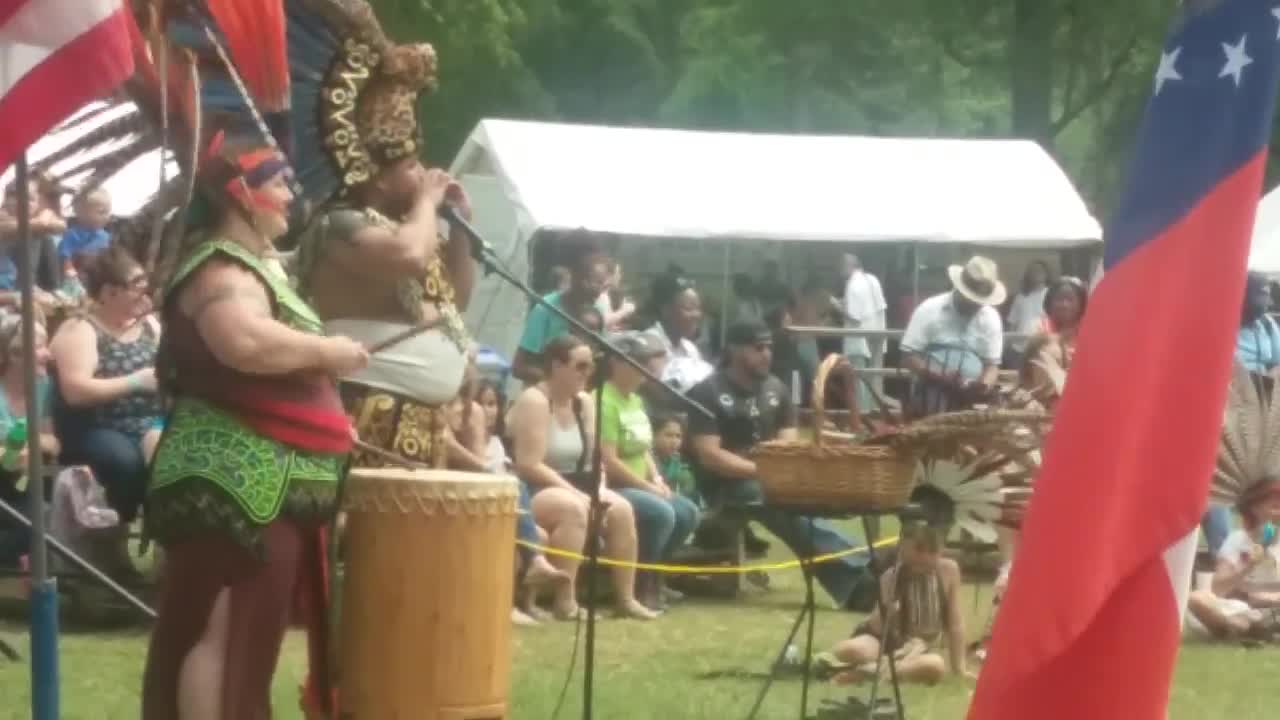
882, 707
486, 256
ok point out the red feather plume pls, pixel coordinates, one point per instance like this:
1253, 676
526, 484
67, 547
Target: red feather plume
255, 35
182, 99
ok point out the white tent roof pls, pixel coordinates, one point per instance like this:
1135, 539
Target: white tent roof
130, 188
1264, 253
687, 184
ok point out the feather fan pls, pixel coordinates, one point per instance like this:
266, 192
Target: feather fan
1249, 449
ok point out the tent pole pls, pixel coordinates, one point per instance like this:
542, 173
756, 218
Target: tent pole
915, 273
724, 293
44, 590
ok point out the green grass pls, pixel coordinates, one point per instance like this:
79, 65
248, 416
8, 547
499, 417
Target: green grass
645, 670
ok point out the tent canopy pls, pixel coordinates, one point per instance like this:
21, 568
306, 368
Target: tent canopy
1264, 253
652, 183
129, 188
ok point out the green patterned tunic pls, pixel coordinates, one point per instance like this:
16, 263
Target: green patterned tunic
213, 473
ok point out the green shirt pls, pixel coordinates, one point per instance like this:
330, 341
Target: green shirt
625, 425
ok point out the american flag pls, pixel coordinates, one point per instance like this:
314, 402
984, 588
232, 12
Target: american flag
1091, 624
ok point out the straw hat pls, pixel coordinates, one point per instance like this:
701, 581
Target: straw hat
978, 280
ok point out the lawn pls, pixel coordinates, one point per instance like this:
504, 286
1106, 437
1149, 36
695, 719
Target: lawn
656, 670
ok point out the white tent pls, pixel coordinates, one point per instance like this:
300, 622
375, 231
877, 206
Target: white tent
130, 188
679, 185
1264, 253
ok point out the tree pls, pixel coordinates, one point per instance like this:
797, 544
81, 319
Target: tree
1071, 74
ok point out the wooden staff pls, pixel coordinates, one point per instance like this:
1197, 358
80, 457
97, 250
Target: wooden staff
402, 336
391, 457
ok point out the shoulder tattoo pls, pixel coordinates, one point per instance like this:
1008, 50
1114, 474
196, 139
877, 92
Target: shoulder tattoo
227, 292
343, 224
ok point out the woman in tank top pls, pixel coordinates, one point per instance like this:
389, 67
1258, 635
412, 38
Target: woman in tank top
551, 424
107, 408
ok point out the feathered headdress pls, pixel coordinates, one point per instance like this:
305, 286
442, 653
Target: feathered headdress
1248, 465
975, 482
975, 467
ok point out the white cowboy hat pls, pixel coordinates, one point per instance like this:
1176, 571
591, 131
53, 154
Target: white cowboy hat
978, 280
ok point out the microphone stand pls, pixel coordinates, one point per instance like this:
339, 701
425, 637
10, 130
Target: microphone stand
483, 254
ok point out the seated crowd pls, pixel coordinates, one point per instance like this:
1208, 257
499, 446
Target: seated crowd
96, 341
671, 475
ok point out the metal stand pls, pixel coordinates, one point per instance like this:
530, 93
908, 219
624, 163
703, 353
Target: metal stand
885, 654
483, 254
808, 612
81, 564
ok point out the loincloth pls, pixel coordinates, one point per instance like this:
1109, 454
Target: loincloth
394, 423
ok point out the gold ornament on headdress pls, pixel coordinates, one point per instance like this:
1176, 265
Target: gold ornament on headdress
369, 99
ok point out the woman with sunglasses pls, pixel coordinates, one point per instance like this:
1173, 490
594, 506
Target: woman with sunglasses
665, 520
107, 407
553, 422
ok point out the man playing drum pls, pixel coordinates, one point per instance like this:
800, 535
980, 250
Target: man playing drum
373, 260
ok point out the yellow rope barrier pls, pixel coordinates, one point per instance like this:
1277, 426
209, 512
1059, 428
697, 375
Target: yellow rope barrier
709, 569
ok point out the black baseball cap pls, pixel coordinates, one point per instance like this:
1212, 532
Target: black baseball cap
748, 333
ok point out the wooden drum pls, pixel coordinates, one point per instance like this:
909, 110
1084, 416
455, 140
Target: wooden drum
426, 608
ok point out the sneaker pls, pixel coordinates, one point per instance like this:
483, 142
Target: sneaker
753, 545
826, 666
757, 579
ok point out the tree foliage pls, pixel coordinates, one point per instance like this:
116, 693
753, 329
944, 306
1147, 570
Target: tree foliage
1072, 74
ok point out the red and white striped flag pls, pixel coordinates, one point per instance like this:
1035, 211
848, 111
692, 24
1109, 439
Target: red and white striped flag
55, 56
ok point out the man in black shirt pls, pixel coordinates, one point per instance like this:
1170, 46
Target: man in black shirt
750, 407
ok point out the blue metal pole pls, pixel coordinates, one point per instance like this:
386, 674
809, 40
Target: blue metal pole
44, 589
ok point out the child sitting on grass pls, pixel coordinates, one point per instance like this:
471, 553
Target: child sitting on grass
668, 438
1243, 601
922, 595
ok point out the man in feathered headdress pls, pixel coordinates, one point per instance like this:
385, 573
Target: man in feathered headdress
373, 259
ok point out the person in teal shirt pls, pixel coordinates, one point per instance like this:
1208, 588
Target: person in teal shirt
1258, 342
587, 280
13, 409
664, 518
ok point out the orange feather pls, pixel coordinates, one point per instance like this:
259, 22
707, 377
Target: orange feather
255, 35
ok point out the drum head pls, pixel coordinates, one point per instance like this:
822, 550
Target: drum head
382, 489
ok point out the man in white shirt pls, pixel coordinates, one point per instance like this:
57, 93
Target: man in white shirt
954, 341
1026, 312
864, 309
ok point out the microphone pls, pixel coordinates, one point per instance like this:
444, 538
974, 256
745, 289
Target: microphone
480, 250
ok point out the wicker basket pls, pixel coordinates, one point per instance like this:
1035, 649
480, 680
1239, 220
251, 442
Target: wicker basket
834, 472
